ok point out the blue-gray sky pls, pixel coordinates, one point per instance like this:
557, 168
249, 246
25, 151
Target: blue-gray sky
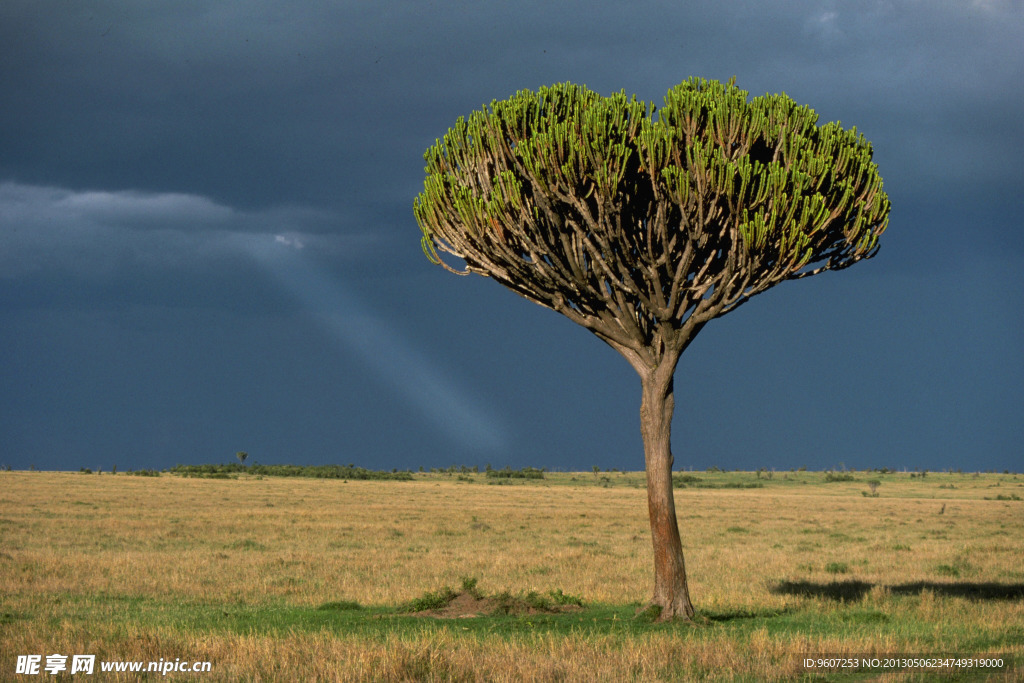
207, 243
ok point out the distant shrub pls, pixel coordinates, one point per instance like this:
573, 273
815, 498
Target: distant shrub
509, 473
699, 484
144, 473
313, 471
838, 476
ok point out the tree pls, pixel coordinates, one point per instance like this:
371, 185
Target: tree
644, 224
241, 455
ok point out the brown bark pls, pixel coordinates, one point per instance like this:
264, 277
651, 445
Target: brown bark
671, 593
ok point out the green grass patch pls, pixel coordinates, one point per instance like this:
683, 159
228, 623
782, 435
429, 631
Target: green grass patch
895, 616
339, 606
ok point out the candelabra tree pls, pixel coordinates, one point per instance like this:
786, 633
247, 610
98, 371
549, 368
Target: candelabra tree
642, 224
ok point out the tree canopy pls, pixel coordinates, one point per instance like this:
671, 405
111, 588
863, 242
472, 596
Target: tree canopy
644, 223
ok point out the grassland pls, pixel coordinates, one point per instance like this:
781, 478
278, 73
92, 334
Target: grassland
302, 579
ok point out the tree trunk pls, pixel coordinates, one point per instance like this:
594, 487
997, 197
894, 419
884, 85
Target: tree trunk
657, 403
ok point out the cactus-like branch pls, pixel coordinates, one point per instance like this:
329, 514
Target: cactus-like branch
644, 226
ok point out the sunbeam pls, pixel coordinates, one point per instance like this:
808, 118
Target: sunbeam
412, 375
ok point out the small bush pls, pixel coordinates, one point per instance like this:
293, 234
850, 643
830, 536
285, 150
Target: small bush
431, 600
834, 476
536, 601
837, 568
469, 587
561, 598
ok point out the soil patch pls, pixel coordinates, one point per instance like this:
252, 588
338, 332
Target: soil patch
464, 605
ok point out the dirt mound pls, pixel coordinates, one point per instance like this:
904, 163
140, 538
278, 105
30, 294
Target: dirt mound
465, 605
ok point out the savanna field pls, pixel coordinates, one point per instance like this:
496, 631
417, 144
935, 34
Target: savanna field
278, 579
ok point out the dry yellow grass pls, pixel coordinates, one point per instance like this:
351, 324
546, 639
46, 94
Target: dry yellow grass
76, 544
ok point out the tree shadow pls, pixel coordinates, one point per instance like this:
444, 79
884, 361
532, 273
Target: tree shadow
851, 591
847, 591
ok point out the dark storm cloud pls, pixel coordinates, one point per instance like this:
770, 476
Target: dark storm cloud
142, 143
333, 104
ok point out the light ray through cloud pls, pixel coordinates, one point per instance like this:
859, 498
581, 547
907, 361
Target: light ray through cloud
411, 374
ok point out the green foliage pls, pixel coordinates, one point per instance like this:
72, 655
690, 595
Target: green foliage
560, 598
680, 481
509, 473
431, 600
664, 212
144, 473
838, 476
469, 585
221, 471
455, 469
